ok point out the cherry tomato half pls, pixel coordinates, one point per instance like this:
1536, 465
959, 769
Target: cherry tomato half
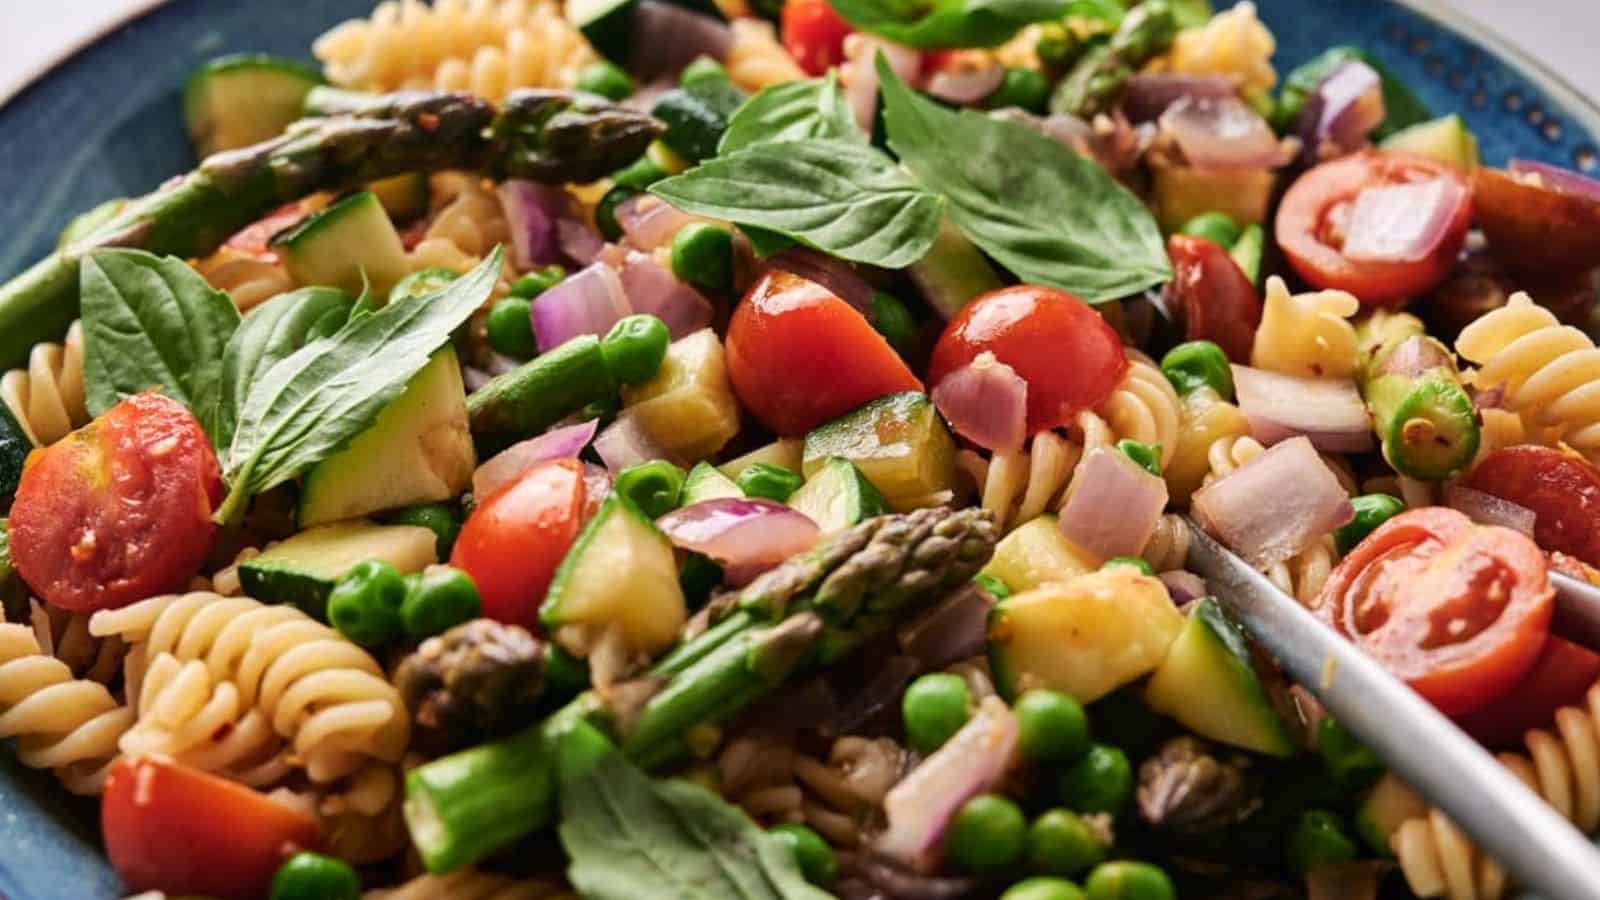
1561, 676
814, 34
1071, 359
1458, 611
799, 356
1216, 298
120, 509
171, 828
1534, 228
515, 539
1562, 490
1310, 227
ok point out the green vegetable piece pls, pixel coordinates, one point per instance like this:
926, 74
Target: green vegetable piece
312, 876
605, 212
988, 835
85, 224
634, 348
1420, 408
273, 331
702, 255
1124, 880
510, 327
934, 708
1122, 719
606, 79
703, 67
1318, 839
439, 599
538, 281
1218, 228
1135, 562
437, 518
1372, 510
894, 321
1043, 888
947, 23
421, 284
769, 481
814, 109
1248, 250
1402, 108
639, 174
365, 604
812, 853
997, 589
697, 115
655, 486
1059, 46
565, 676
13, 592
1020, 88
1061, 843
1198, 364
1148, 456
1053, 728
1101, 781
1350, 761
698, 577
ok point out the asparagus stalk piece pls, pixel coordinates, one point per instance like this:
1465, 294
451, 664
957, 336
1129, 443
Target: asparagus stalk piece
1097, 79
817, 606
1420, 410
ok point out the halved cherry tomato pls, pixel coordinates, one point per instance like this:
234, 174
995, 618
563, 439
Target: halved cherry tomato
799, 356
1562, 490
120, 509
1458, 611
814, 34
1311, 219
1534, 228
1561, 676
1071, 359
1216, 298
171, 828
515, 539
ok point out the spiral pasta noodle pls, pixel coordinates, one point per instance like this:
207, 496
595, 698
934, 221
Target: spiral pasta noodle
1019, 485
1168, 548
1308, 335
47, 397
471, 884
1144, 406
65, 635
249, 280
774, 782
755, 58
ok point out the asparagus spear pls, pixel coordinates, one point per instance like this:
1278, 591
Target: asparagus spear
806, 613
1420, 410
1097, 79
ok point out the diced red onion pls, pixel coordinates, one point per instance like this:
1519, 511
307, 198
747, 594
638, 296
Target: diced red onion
667, 37
1274, 506
558, 443
624, 443
1342, 110
1183, 586
1150, 93
887, 880
589, 301
859, 73
986, 402
967, 81
1487, 509
1402, 222
1116, 506
974, 760
1329, 411
746, 535
651, 289
1221, 134
1562, 181
649, 221
839, 277
578, 242
532, 210
953, 630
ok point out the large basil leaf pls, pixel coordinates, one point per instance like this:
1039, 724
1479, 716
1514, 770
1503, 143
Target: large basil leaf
844, 198
151, 322
793, 111
312, 402
271, 332
948, 23
1047, 214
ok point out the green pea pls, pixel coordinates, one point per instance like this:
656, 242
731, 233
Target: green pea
640, 175
1100, 781
532, 284
1054, 729
421, 284
437, 518
768, 481
365, 605
654, 486
1124, 880
440, 599
510, 328
1148, 456
1043, 889
1218, 228
702, 255
1351, 762
1372, 510
1197, 364
606, 79
812, 853
1058, 46
605, 212
703, 68
997, 589
988, 835
1132, 562
1022, 88
634, 348
894, 321
1061, 843
1318, 839
312, 876
933, 708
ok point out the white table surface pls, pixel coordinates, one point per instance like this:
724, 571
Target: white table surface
1562, 33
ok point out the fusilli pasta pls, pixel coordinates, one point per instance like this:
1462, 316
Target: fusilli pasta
470, 884
65, 635
755, 58
1168, 548
1144, 406
774, 782
248, 279
1308, 335
47, 397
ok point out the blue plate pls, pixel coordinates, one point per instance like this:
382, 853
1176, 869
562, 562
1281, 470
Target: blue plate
107, 123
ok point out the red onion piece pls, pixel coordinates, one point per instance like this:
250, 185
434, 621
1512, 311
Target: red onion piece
1342, 111
1329, 411
651, 289
1562, 181
974, 760
588, 302
887, 880
558, 443
624, 443
532, 210
1067, 130
986, 402
1116, 506
578, 242
746, 535
1221, 134
967, 81
1183, 586
1149, 94
596, 487
1275, 505
951, 631
649, 221
1487, 509
839, 277
859, 73
667, 37
1402, 222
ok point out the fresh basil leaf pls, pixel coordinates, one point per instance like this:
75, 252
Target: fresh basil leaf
1047, 214
312, 402
151, 322
273, 331
845, 199
948, 23
632, 836
793, 111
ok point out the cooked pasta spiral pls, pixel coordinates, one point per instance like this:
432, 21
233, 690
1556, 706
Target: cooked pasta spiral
249, 280
324, 694
1018, 485
755, 58
1144, 406
47, 397
65, 635
1551, 372
774, 782
471, 884
1168, 548
1308, 335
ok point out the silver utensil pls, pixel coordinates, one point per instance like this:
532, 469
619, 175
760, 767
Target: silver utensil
1577, 616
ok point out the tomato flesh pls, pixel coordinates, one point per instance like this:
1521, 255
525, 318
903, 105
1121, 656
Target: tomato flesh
1561, 676
799, 356
1458, 611
119, 510
1536, 229
1216, 298
1070, 358
814, 34
171, 828
1562, 490
515, 539
1309, 228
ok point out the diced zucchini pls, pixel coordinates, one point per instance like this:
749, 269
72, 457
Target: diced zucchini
1445, 139
1248, 251
688, 407
1203, 419
621, 573
696, 116
241, 100
335, 246
15, 445
1390, 804
404, 197
1182, 192
899, 442
784, 452
838, 496
1209, 684
13, 592
1085, 637
419, 450
303, 569
706, 482
952, 272
607, 24
1037, 553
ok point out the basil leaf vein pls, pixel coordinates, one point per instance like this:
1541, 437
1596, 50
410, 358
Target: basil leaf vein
948, 23
793, 111
273, 331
